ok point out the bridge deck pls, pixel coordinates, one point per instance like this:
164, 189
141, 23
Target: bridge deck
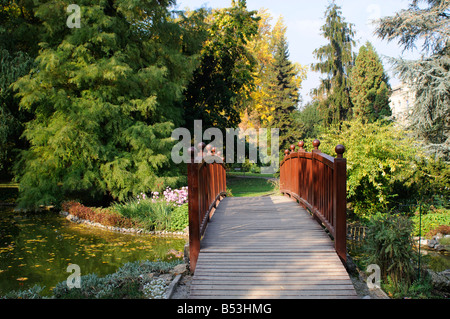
267, 247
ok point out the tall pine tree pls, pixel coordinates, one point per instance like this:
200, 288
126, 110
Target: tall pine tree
283, 92
105, 100
369, 86
336, 59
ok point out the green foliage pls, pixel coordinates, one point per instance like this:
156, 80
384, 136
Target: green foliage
104, 102
20, 28
379, 162
335, 60
283, 92
431, 181
217, 90
428, 76
31, 293
370, 88
432, 220
389, 245
308, 122
179, 218
419, 289
148, 213
12, 66
127, 282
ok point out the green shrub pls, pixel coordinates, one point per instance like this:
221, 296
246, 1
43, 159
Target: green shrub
389, 245
31, 293
179, 218
150, 214
379, 162
432, 220
129, 281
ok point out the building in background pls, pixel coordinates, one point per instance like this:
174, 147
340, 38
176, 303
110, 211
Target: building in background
401, 102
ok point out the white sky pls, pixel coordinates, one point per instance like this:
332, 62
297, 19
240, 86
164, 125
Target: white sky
304, 19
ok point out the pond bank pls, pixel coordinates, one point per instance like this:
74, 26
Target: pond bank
86, 222
36, 248
134, 280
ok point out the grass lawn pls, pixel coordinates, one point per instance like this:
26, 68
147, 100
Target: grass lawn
249, 187
249, 174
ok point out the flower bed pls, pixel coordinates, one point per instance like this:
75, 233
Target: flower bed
144, 214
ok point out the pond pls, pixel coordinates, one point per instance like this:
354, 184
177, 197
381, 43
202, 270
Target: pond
37, 248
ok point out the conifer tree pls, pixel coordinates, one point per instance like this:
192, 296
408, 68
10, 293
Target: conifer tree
105, 100
369, 86
428, 22
335, 61
283, 92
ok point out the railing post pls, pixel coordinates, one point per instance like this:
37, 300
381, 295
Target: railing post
314, 184
340, 202
194, 210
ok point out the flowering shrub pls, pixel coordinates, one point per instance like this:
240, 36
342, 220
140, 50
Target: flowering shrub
168, 212
177, 196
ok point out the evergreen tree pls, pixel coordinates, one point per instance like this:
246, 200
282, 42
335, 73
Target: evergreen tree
283, 92
428, 76
370, 88
308, 122
336, 59
104, 99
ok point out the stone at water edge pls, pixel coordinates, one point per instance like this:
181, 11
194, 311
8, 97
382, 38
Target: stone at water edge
180, 269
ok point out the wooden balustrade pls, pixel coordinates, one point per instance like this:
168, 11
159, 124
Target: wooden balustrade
318, 182
206, 188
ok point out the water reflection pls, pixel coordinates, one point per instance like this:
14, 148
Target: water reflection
37, 248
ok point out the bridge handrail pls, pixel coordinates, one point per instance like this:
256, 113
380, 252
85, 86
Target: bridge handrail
318, 182
206, 188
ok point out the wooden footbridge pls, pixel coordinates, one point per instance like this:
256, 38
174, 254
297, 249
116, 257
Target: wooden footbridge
291, 246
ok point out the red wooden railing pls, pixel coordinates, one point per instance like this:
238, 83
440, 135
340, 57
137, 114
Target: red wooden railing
206, 188
318, 182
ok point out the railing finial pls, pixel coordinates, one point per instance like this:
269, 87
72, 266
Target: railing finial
340, 149
316, 144
300, 145
292, 148
286, 152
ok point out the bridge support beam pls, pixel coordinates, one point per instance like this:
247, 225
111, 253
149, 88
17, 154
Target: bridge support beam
194, 216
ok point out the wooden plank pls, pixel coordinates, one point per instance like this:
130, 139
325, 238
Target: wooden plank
273, 294
267, 248
274, 286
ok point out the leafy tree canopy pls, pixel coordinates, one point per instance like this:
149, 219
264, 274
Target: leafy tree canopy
221, 84
105, 98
